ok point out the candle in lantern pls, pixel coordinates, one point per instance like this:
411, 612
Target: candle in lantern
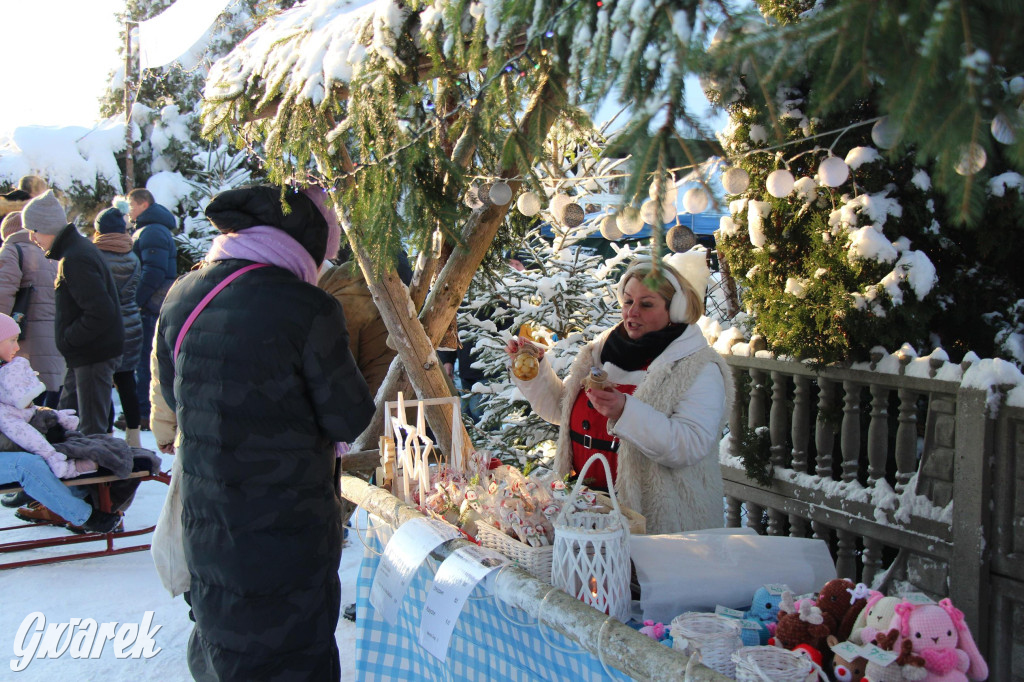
593, 587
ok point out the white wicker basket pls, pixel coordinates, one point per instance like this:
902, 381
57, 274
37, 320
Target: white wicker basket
773, 664
591, 556
712, 637
534, 560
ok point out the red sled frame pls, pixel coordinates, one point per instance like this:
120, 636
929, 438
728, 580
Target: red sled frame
103, 487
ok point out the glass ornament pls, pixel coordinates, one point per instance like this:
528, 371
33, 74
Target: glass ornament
1004, 128
833, 172
972, 159
780, 183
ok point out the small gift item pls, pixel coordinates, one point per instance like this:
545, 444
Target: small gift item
714, 638
597, 380
525, 364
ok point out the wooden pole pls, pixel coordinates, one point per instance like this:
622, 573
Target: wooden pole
129, 152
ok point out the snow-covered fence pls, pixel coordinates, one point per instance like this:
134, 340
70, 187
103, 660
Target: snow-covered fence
912, 481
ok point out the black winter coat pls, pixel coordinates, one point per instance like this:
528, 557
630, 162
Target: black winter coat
88, 327
127, 272
263, 386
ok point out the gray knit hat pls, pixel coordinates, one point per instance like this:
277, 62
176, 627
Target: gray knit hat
10, 224
44, 214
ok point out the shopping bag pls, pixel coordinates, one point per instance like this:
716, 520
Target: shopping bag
168, 546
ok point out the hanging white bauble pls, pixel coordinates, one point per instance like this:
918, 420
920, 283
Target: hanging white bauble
649, 211
735, 180
610, 229
695, 200
779, 183
654, 189
528, 203
558, 204
472, 198
884, 133
668, 206
1016, 85
500, 193
1004, 128
629, 221
572, 215
972, 159
680, 238
833, 171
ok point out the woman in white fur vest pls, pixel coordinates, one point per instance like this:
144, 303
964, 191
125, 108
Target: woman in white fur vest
660, 420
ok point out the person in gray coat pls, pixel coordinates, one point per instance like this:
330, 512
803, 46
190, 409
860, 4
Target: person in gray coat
22, 263
115, 245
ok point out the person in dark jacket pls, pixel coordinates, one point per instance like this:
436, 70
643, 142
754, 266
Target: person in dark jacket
263, 385
87, 326
111, 238
153, 244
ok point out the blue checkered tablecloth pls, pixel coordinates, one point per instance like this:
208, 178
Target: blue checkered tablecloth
491, 641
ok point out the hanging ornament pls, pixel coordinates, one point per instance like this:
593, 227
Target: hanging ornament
735, 180
884, 133
972, 159
649, 211
572, 215
668, 205
1016, 85
680, 238
1004, 128
483, 193
833, 172
629, 221
472, 198
654, 190
780, 183
695, 200
528, 204
610, 229
500, 193
558, 204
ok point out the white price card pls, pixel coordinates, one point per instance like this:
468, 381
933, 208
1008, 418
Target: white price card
455, 579
408, 548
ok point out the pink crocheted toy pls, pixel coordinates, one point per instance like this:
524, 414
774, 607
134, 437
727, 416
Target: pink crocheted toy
941, 637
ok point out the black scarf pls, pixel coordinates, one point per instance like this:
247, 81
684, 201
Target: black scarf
630, 354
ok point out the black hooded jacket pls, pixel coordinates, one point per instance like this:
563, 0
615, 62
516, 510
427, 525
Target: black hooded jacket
263, 387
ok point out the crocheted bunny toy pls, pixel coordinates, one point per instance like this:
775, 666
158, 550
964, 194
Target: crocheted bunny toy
940, 636
876, 615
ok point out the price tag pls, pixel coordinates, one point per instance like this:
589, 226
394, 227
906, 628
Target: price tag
455, 579
848, 650
408, 548
877, 655
727, 612
776, 589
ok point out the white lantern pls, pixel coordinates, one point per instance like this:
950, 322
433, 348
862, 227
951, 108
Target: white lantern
500, 193
1004, 128
695, 200
735, 180
528, 203
629, 221
610, 229
649, 211
780, 183
833, 172
884, 133
972, 159
558, 204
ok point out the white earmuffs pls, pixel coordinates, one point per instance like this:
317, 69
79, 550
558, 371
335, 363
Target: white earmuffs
677, 309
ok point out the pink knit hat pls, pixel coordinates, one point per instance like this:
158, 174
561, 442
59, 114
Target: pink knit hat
8, 327
10, 225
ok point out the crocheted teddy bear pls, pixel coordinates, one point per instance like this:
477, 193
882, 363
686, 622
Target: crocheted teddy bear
938, 635
907, 667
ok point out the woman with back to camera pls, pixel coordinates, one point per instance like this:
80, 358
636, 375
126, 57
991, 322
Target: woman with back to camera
652, 396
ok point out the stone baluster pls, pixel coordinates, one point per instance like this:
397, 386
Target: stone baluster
800, 434
821, 531
906, 439
878, 432
736, 416
733, 512
846, 555
850, 436
756, 413
798, 526
872, 559
755, 517
825, 430
776, 522
778, 422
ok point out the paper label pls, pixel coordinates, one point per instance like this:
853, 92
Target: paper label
776, 589
727, 612
875, 654
848, 650
408, 548
458, 575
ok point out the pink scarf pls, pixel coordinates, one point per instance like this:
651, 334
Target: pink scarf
265, 244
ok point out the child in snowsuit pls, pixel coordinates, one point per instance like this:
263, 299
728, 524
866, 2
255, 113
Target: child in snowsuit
19, 385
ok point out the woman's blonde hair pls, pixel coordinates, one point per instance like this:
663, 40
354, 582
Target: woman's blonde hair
693, 301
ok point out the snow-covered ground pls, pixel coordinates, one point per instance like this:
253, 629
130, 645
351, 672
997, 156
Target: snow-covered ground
116, 589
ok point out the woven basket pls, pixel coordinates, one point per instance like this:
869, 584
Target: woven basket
534, 560
772, 664
714, 638
591, 557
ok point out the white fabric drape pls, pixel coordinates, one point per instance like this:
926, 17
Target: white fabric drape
171, 33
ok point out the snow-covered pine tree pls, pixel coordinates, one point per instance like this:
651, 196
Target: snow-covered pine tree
566, 296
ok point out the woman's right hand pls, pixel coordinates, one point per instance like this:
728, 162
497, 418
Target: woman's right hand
517, 342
